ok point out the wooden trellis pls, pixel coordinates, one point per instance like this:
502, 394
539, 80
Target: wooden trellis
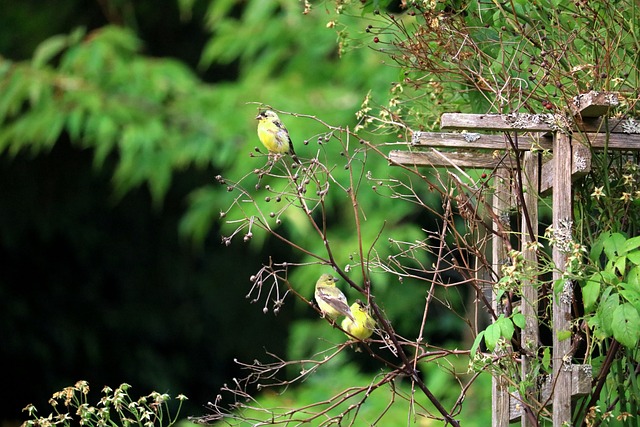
571, 146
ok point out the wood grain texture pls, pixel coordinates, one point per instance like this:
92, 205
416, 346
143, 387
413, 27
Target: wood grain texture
472, 140
529, 338
496, 122
499, 386
613, 141
435, 158
545, 123
563, 290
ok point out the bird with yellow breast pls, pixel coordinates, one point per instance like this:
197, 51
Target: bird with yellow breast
274, 135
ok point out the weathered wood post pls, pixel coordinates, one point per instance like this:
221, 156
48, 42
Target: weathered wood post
562, 289
530, 336
501, 203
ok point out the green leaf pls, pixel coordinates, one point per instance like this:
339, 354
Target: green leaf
620, 265
476, 343
606, 310
506, 327
626, 325
48, 49
15, 89
596, 250
564, 335
632, 244
546, 358
631, 292
558, 285
634, 257
632, 297
519, 320
609, 277
633, 277
595, 323
591, 292
614, 246
106, 132
492, 335
75, 123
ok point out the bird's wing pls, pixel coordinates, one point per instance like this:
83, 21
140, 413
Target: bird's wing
339, 302
279, 123
283, 135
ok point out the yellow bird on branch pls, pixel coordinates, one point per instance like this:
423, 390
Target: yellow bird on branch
330, 299
274, 135
362, 324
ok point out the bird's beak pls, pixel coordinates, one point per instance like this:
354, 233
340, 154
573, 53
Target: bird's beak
260, 116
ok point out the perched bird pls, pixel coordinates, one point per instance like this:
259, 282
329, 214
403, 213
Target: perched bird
362, 325
274, 135
330, 299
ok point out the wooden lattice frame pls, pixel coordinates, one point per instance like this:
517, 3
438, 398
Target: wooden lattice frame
571, 144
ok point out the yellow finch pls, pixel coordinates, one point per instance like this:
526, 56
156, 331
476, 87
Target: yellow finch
330, 299
362, 324
274, 135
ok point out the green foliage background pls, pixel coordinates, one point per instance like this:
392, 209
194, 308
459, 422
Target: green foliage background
115, 118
